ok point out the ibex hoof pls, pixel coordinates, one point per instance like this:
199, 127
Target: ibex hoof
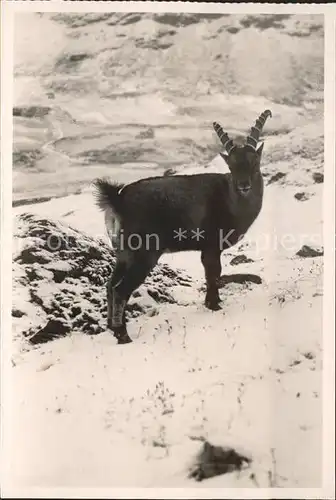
125, 339
213, 306
121, 335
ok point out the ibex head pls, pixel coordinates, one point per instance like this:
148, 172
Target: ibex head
243, 161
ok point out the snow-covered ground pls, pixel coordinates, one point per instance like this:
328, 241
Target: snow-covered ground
91, 413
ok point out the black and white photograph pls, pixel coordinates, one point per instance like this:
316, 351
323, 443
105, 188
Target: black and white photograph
168, 306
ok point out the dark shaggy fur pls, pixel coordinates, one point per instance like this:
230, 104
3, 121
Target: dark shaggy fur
204, 212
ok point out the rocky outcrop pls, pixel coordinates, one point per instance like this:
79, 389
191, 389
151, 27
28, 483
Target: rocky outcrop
61, 273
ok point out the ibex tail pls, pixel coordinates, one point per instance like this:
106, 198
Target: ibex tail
107, 195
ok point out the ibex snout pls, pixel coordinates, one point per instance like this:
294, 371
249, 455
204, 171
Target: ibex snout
244, 189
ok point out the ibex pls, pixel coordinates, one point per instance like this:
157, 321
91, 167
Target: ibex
207, 212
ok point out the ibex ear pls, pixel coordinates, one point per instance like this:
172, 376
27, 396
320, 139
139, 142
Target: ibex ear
259, 148
225, 157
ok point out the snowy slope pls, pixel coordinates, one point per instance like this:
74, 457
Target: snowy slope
89, 412
248, 375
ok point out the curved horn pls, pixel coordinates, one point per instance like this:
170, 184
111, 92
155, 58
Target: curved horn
224, 138
253, 137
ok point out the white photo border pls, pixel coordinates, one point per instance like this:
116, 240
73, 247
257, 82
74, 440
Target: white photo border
8, 9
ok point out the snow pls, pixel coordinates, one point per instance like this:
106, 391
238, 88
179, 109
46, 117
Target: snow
90, 413
249, 374
230, 376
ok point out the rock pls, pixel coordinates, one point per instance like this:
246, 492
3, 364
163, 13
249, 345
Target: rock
31, 111
130, 19
318, 177
69, 62
53, 329
158, 296
177, 20
310, 251
166, 32
241, 279
215, 460
78, 20
276, 177
146, 134
59, 275
16, 313
240, 259
78, 57
26, 159
30, 201
31, 256
152, 44
169, 171
232, 29
65, 272
264, 22
302, 196
117, 156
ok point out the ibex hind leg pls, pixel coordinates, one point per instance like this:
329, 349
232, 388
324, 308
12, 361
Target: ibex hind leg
212, 266
116, 304
129, 274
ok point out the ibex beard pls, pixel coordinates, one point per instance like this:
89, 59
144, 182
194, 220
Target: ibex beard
203, 212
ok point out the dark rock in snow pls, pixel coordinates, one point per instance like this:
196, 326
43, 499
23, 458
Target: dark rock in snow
180, 19
53, 329
276, 177
130, 19
146, 134
16, 313
31, 256
302, 196
232, 29
309, 251
265, 21
26, 159
240, 259
78, 20
241, 279
30, 201
31, 111
65, 272
169, 171
318, 177
69, 62
216, 460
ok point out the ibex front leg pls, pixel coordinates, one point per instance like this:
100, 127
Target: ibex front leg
212, 267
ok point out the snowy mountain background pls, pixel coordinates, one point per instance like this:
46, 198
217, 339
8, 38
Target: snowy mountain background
130, 96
